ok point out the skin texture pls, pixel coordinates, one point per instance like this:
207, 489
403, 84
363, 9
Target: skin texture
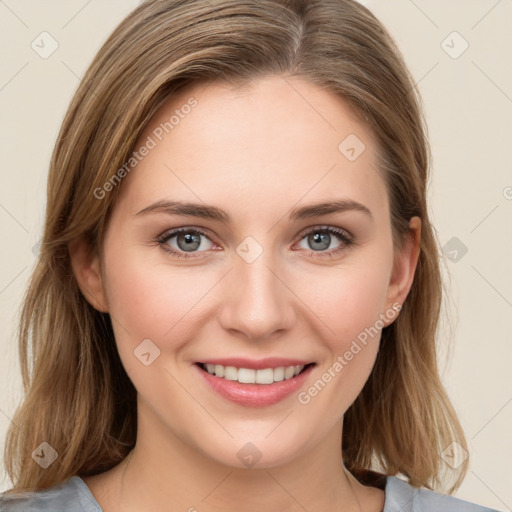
257, 153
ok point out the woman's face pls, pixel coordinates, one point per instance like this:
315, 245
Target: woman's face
256, 273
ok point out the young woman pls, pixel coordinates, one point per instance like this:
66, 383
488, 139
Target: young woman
238, 289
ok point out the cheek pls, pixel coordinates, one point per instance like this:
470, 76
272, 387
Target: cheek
347, 299
161, 304
350, 303
154, 301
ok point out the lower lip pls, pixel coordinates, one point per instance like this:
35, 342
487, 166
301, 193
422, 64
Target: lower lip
254, 395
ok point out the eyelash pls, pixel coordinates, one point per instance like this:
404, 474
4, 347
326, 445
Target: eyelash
344, 236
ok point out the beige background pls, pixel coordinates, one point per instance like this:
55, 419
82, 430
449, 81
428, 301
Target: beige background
468, 102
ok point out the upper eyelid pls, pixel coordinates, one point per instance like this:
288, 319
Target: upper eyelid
325, 227
171, 233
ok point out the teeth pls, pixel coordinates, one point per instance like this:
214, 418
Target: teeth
279, 374
250, 376
230, 373
246, 376
289, 372
265, 376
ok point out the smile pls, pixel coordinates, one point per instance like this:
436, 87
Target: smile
263, 386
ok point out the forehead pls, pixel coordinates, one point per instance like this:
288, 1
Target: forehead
274, 142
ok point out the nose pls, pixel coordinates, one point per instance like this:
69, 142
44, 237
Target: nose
257, 300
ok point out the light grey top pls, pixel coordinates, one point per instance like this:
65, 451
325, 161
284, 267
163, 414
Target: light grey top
73, 495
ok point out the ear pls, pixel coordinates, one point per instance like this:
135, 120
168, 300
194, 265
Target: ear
404, 266
87, 270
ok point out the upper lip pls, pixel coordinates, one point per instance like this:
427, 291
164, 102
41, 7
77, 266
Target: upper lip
256, 364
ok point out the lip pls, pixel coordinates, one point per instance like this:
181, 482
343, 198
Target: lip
253, 395
259, 364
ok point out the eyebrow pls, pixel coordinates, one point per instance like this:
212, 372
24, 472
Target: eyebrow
214, 213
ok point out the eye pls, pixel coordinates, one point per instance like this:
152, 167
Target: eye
188, 240
320, 238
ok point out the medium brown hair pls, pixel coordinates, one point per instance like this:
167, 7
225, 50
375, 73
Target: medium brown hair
78, 397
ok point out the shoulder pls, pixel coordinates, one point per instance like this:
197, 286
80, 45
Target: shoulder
400, 496
68, 496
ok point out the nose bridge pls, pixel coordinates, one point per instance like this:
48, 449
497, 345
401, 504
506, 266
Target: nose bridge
257, 301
